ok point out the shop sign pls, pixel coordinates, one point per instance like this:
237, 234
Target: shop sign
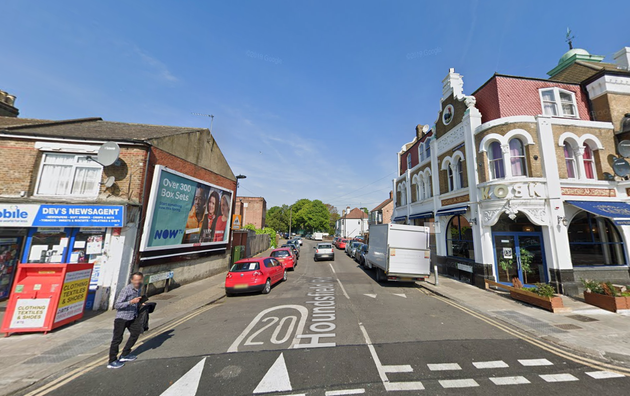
34, 215
73, 293
465, 267
29, 313
516, 190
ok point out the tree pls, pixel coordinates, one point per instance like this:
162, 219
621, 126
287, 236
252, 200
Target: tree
333, 217
310, 216
278, 218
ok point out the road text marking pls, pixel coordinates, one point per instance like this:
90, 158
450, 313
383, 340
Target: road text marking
558, 377
490, 364
370, 295
403, 295
188, 383
458, 383
518, 380
535, 362
276, 379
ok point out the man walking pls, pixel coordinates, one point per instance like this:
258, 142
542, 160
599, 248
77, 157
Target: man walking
126, 306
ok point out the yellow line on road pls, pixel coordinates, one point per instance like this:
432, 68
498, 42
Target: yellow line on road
540, 344
72, 375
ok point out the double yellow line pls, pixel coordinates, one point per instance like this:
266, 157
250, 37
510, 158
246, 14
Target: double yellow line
72, 375
540, 344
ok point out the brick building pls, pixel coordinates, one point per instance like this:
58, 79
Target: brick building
517, 179
253, 210
382, 213
54, 166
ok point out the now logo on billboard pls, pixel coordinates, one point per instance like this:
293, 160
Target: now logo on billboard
13, 213
167, 234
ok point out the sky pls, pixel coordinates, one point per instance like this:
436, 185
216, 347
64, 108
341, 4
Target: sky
311, 99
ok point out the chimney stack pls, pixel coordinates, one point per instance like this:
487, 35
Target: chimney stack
391, 194
7, 105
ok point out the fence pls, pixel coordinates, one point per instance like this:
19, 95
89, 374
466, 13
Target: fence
257, 243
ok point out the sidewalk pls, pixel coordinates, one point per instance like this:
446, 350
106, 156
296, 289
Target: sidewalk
28, 358
587, 329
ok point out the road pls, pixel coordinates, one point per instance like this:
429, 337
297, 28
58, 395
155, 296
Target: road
331, 329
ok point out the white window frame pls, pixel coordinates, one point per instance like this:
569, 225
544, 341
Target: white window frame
421, 152
558, 102
522, 158
589, 162
573, 159
408, 161
74, 165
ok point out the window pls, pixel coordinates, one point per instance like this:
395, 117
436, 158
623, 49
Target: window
427, 188
459, 169
595, 240
569, 159
401, 193
408, 161
517, 158
558, 102
451, 180
68, 174
427, 149
589, 162
421, 152
419, 192
459, 238
495, 158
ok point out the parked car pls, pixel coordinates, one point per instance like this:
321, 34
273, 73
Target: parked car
286, 235
324, 250
354, 246
293, 248
254, 274
361, 253
286, 257
296, 243
335, 240
299, 239
341, 244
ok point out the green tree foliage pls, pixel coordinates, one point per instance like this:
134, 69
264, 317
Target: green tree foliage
278, 218
311, 216
267, 230
333, 217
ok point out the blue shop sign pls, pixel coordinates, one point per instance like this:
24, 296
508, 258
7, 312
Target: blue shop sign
33, 215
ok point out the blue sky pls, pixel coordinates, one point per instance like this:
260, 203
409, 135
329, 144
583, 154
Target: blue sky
312, 99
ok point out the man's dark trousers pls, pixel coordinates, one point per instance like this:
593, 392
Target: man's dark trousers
135, 329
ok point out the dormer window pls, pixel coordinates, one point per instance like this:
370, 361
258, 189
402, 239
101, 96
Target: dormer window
558, 102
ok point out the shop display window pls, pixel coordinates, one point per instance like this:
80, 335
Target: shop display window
594, 241
459, 238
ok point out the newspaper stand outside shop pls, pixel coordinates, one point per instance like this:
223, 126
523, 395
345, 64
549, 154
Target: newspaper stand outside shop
46, 296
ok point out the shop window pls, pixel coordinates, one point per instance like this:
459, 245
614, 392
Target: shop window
517, 158
569, 159
558, 102
595, 241
589, 162
68, 175
459, 238
495, 158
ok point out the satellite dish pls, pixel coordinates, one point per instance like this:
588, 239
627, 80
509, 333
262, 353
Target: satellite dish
624, 148
621, 167
425, 129
608, 176
109, 181
108, 153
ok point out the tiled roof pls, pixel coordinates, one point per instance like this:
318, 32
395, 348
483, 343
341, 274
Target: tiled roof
355, 213
383, 204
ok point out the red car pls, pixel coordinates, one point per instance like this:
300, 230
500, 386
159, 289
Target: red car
254, 274
285, 256
342, 244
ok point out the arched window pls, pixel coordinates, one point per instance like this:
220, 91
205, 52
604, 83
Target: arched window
459, 238
420, 193
594, 241
517, 158
459, 169
427, 187
495, 158
589, 162
569, 159
451, 179
416, 189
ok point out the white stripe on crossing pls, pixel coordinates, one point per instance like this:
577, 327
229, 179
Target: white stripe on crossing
518, 380
458, 383
535, 362
604, 374
358, 391
491, 364
391, 368
403, 386
444, 366
558, 377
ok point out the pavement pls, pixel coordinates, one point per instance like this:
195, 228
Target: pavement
331, 329
587, 329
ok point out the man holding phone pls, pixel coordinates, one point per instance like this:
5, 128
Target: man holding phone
127, 306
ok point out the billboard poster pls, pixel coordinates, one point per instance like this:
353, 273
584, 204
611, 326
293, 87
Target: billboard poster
185, 212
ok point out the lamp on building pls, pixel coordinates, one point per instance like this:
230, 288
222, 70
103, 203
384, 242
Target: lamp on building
563, 220
473, 221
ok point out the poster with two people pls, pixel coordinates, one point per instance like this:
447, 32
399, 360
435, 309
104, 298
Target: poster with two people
184, 211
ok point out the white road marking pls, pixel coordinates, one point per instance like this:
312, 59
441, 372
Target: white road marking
444, 366
604, 374
535, 362
404, 368
558, 377
343, 289
490, 364
188, 383
518, 380
382, 369
332, 268
370, 295
400, 295
458, 383
358, 391
276, 379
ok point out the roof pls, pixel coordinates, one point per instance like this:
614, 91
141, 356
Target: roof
581, 71
383, 204
355, 213
90, 128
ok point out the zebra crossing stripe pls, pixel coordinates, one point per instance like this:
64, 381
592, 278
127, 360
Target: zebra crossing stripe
535, 362
444, 366
558, 377
604, 374
490, 364
517, 380
458, 383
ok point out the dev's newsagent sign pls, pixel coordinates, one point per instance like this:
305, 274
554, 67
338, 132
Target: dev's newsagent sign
73, 294
185, 212
33, 215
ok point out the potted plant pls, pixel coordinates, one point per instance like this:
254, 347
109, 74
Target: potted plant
541, 295
605, 295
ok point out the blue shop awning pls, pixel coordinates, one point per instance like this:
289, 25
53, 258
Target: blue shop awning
452, 211
619, 212
425, 215
400, 218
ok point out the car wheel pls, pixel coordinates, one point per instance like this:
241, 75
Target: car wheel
314, 258
284, 278
267, 288
228, 294
379, 277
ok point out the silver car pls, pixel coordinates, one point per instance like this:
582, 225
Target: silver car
324, 251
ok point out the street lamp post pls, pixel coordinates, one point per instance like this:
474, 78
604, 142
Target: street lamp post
290, 219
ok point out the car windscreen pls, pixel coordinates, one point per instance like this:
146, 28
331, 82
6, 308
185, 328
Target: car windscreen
280, 253
327, 246
356, 244
244, 267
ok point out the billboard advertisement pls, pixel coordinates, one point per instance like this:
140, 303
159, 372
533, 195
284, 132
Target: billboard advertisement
185, 212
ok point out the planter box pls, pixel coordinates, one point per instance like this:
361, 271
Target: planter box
608, 303
553, 304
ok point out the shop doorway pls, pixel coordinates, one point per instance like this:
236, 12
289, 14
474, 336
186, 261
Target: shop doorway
520, 255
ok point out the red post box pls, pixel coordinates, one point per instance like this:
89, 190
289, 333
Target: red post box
46, 296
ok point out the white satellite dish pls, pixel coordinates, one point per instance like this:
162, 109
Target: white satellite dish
109, 181
425, 128
108, 153
624, 148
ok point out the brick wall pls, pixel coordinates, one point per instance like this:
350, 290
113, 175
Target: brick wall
256, 211
603, 158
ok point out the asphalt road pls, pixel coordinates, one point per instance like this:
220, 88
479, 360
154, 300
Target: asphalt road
332, 330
